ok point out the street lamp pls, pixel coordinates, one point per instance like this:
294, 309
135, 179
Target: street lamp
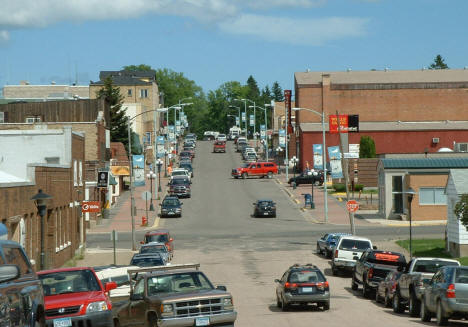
159, 163
238, 114
294, 161
40, 199
324, 159
245, 112
266, 128
410, 193
151, 176
278, 154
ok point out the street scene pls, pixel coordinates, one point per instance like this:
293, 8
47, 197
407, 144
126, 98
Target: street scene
222, 163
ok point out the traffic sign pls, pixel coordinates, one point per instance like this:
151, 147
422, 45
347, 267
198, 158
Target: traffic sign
352, 206
90, 206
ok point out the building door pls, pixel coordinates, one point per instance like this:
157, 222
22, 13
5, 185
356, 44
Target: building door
397, 194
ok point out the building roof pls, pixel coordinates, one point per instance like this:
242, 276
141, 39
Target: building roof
127, 77
460, 176
395, 126
425, 163
385, 77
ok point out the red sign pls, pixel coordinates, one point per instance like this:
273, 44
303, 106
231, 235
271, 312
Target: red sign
90, 206
352, 206
287, 107
333, 123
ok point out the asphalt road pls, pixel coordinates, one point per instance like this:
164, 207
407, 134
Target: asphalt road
246, 254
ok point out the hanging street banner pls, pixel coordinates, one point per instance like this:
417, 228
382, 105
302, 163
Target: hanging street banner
177, 127
237, 121
318, 156
138, 170
262, 132
282, 138
171, 133
252, 120
243, 117
335, 161
160, 147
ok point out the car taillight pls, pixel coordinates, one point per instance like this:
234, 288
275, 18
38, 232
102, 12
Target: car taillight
450, 293
370, 273
290, 285
322, 286
336, 253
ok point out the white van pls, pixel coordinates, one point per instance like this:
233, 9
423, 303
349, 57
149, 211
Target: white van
348, 250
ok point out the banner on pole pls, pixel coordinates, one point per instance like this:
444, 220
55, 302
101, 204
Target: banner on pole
160, 147
171, 133
138, 170
262, 132
252, 120
318, 156
335, 161
243, 117
282, 138
237, 121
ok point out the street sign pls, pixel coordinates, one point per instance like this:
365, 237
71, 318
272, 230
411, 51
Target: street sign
146, 195
352, 206
90, 206
103, 178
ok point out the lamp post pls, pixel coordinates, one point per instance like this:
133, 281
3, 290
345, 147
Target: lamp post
151, 176
159, 163
278, 152
40, 199
294, 160
245, 112
410, 193
238, 114
324, 159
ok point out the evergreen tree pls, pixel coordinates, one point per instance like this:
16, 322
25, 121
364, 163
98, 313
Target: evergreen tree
141, 67
367, 147
278, 94
253, 92
438, 63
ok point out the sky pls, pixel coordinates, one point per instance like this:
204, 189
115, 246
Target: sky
216, 41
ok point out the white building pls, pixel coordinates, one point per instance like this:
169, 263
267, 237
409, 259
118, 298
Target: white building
457, 235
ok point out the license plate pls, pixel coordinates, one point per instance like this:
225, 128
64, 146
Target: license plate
62, 322
265, 213
307, 290
171, 213
202, 321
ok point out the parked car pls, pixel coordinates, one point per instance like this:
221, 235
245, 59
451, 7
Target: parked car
240, 145
410, 285
75, 296
222, 137
156, 247
326, 244
302, 284
314, 177
171, 207
250, 157
240, 139
180, 172
387, 287
160, 235
19, 283
187, 166
372, 268
180, 186
119, 275
219, 146
147, 260
260, 169
264, 208
347, 251
446, 295
186, 154
182, 296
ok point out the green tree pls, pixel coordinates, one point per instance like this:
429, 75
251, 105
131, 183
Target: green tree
277, 91
253, 92
438, 63
461, 210
140, 67
367, 147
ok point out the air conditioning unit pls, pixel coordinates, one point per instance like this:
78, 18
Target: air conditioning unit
461, 147
435, 140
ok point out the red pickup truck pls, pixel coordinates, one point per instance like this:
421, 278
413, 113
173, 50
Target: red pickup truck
219, 146
260, 169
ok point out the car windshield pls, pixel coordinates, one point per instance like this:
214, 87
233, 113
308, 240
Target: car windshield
186, 166
162, 238
147, 261
306, 276
153, 248
171, 202
178, 283
179, 181
69, 282
179, 173
354, 245
431, 266
264, 203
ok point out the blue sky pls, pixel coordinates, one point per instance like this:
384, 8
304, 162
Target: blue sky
215, 41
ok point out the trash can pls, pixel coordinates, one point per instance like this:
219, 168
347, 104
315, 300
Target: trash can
308, 201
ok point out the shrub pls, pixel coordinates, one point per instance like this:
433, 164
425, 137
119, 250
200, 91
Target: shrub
341, 187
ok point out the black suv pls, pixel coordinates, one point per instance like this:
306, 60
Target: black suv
180, 186
171, 207
21, 294
313, 177
264, 208
302, 284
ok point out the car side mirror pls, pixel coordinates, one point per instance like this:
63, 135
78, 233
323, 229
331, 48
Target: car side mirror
221, 288
8, 272
136, 297
110, 286
277, 281
374, 247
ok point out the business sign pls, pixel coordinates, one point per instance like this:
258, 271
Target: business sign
338, 124
103, 179
138, 170
287, 108
90, 206
262, 132
243, 117
177, 127
160, 147
335, 161
252, 120
171, 133
282, 138
318, 156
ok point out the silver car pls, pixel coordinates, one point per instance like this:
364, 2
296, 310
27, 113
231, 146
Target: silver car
156, 247
446, 295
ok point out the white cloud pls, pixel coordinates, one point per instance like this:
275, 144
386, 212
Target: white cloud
259, 4
296, 31
4, 36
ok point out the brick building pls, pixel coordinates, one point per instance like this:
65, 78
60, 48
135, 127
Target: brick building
28, 92
403, 111
51, 160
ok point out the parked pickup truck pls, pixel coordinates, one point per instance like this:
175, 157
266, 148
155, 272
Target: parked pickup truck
21, 295
373, 267
219, 146
176, 296
410, 286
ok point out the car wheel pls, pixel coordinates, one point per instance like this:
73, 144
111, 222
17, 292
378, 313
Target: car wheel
387, 301
414, 305
319, 251
244, 175
424, 313
278, 302
440, 316
116, 323
334, 270
284, 306
274, 216
328, 253
396, 303
365, 289
377, 296
270, 175
354, 285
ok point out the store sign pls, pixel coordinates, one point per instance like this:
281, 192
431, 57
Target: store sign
90, 206
338, 124
103, 179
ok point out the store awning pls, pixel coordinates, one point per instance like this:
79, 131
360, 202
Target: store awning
120, 170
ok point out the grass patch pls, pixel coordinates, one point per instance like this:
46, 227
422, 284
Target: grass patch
430, 248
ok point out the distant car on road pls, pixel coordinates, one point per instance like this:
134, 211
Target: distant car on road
302, 284
219, 146
180, 186
160, 235
171, 207
264, 208
147, 260
326, 244
222, 137
156, 247
258, 169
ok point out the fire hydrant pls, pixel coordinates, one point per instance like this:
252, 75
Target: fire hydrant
144, 221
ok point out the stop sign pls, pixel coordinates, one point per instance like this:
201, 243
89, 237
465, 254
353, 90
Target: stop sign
352, 205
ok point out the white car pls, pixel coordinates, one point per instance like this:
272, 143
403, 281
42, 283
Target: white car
120, 276
222, 137
180, 172
347, 251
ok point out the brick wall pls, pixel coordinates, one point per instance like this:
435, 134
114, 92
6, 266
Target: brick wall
427, 212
